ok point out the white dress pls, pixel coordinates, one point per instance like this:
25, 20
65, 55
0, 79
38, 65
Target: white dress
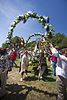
24, 63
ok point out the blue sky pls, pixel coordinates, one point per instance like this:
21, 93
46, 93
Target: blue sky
9, 9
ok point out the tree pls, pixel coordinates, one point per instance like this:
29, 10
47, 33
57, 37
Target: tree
57, 39
64, 42
31, 45
16, 42
4, 45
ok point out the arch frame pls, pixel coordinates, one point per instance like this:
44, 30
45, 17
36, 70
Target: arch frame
44, 20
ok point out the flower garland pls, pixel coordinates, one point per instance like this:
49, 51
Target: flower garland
35, 34
42, 19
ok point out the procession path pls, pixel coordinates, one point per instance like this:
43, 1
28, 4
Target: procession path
30, 89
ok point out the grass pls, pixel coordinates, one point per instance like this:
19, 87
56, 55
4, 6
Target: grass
31, 88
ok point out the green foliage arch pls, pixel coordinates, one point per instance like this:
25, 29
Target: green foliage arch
44, 20
34, 34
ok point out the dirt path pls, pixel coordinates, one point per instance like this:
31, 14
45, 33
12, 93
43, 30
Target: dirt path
29, 89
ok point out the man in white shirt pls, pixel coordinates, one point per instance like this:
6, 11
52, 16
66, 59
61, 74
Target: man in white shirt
61, 72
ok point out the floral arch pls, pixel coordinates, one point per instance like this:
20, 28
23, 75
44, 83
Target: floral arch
44, 20
34, 34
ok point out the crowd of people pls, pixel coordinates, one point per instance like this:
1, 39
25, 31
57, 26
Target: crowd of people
59, 65
7, 58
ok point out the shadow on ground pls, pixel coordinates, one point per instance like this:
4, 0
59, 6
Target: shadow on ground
20, 92
30, 78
